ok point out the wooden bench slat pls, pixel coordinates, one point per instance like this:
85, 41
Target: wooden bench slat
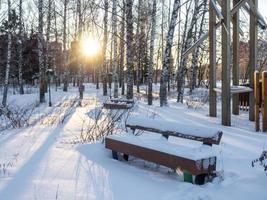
214, 140
195, 167
168, 128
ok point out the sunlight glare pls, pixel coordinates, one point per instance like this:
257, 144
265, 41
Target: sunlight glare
90, 46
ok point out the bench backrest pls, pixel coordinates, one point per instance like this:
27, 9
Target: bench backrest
206, 135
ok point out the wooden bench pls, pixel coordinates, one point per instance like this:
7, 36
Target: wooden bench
193, 162
117, 103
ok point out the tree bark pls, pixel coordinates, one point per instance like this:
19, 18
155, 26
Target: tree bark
129, 44
151, 53
20, 64
166, 62
9, 43
105, 40
65, 84
115, 55
122, 49
40, 53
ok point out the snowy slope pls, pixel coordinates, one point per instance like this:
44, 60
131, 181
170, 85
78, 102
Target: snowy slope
42, 161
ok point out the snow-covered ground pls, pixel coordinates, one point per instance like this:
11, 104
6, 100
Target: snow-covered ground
43, 161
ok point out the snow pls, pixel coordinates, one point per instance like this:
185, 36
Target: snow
44, 161
174, 126
161, 144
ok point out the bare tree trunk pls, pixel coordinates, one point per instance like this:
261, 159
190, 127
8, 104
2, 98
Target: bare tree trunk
9, 43
182, 68
20, 64
65, 85
195, 56
151, 63
122, 49
138, 45
115, 56
79, 61
105, 71
48, 30
40, 52
166, 62
129, 44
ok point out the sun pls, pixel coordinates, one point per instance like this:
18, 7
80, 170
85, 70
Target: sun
90, 47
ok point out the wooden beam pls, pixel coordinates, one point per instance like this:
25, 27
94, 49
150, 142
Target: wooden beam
199, 41
257, 99
206, 35
264, 101
226, 98
253, 41
216, 10
212, 58
252, 7
235, 69
237, 5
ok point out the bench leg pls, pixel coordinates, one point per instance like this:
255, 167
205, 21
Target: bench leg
125, 157
200, 179
188, 177
115, 155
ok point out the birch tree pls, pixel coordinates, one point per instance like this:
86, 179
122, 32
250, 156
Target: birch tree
40, 53
65, 6
114, 40
122, 35
187, 43
105, 40
166, 61
195, 56
151, 53
20, 62
79, 36
129, 45
9, 43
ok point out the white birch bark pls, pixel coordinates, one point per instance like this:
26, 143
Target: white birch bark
40, 53
105, 40
115, 56
65, 84
20, 64
151, 53
166, 61
186, 44
130, 50
122, 49
9, 43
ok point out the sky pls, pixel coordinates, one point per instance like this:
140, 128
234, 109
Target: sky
263, 8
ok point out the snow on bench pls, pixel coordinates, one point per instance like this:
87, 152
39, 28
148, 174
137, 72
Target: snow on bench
162, 145
117, 103
199, 161
167, 128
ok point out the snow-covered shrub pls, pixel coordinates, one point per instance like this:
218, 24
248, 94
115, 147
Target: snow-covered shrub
102, 122
15, 116
262, 160
197, 99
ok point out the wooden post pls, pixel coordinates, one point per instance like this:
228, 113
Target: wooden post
226, 98
212, 57
253, 32
264, 101
235, 58
257, 99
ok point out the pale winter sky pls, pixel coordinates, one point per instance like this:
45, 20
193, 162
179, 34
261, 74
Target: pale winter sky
263, 8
